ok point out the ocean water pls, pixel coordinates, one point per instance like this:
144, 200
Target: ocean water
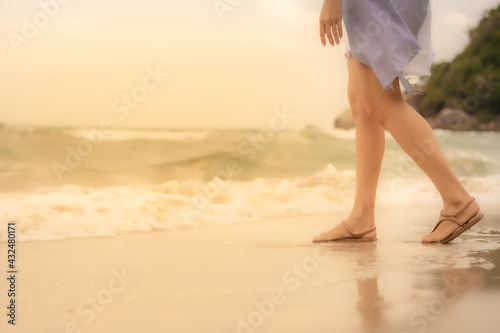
60, 183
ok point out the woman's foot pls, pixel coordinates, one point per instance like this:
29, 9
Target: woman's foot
462, 211
347, 229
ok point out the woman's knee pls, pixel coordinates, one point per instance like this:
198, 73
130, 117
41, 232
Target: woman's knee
374, 112
376, 107
356, 103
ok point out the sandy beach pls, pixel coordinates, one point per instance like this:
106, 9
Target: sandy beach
263, 276
162, 176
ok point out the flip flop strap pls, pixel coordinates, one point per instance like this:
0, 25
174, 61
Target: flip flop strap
354, 235
453, 217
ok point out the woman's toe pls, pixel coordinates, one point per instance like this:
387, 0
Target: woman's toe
429, 238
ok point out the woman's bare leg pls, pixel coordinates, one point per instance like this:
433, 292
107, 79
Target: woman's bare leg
370, 144
416, 137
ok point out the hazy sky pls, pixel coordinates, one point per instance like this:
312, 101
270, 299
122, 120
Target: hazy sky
76, 61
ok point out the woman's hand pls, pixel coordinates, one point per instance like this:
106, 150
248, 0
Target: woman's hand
330, 22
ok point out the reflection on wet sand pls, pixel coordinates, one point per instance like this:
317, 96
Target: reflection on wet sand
370, 304
434, 299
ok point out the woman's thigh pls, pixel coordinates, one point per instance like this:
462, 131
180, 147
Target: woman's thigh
378, 102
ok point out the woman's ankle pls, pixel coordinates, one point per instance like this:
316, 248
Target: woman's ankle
454, 203
361, 218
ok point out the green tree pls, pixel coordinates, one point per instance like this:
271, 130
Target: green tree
471, 81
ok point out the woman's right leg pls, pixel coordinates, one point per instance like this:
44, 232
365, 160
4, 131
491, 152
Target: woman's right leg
370, 145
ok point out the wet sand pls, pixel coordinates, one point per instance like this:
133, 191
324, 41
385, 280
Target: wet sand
263, 276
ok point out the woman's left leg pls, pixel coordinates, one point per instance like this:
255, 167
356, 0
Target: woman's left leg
370, 144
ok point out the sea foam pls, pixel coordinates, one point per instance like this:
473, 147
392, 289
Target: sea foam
72, 211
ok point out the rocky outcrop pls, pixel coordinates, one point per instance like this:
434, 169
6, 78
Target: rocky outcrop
344, 120
493, 125
449, 119
454, 119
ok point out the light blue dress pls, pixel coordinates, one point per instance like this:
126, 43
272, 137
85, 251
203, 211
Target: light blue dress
390, 36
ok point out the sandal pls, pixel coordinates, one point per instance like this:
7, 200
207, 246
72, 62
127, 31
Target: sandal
353, 237
462, 226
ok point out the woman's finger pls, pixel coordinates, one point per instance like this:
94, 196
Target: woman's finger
329, 33
322, 33
339, 28
336, 32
